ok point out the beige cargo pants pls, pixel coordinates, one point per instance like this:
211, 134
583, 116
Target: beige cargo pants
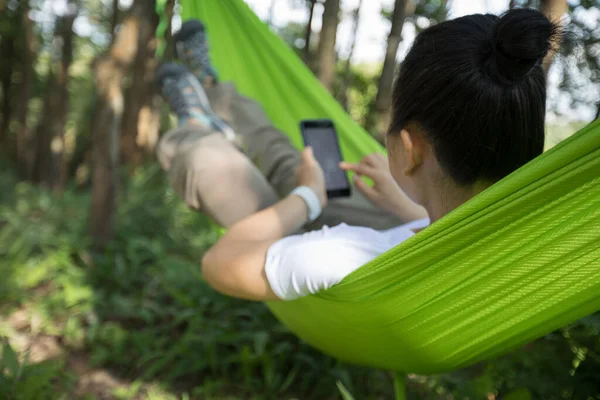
229, 182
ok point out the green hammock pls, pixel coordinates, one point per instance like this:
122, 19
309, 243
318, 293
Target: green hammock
517, 262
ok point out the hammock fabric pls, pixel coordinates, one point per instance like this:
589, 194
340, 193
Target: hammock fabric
513, 264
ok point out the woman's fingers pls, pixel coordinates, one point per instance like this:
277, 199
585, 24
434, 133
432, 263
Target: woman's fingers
346, 166
375, 160
364, 188
361, 169
308, 156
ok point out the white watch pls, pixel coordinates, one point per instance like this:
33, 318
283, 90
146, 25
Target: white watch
313, 204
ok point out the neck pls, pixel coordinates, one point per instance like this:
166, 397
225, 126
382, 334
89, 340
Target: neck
440, 202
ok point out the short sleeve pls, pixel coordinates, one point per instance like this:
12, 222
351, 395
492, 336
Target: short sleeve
305, 264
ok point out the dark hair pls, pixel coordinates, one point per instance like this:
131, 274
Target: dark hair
476, 86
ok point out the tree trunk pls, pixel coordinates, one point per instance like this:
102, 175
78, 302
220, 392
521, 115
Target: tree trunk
8, 51
326, 49
384, 89
56, 104
109, 71
114, 18
308, 32
169, 53
25, 146
512, 4
555, 10
141, 117
347, 78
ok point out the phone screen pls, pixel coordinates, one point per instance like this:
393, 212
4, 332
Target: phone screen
321, 136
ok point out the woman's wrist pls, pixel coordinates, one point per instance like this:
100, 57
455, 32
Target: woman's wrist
311, 200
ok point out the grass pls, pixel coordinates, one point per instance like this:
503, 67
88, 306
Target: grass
142, 308
138, 322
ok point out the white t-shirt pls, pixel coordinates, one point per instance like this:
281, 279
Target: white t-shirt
305, 264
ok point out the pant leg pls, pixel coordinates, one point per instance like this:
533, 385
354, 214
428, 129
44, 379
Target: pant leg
273, 154
269, 149
211, 175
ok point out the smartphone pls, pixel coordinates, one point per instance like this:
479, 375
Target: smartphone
322, 137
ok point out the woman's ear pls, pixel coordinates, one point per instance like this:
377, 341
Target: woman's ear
413, 151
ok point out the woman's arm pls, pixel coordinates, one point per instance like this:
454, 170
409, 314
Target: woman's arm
235, 265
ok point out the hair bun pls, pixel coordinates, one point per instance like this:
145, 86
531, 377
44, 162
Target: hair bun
520, 41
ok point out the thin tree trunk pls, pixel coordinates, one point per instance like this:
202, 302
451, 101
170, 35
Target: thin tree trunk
512, 4
25, 146
7, 49
109, 71
347, 78
308, 32
56, 104
168, 55
326, 49
141, 118
170, 48
114, 18
384, 90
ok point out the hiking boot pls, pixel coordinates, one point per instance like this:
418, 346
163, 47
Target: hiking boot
185, 95
188, 100
191, 46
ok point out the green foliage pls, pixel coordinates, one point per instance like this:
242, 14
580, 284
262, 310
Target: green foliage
346, 395
419, 11
142, 307
20, 380
143, 310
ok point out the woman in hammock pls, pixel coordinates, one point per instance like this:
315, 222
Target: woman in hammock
468, 109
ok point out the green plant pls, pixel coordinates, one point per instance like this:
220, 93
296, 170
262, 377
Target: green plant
24, 381
142, 310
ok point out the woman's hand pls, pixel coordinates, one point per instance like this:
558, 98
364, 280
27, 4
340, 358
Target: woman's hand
311, 174
385, 193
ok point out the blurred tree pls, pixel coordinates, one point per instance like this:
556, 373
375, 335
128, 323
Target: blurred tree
308, 33
299, 36
51, 129
9, 32
347, 73
114, 18
99, 20
169, 12
326, 50
420, 13
384, 88
25, 149
141, 118
110, 69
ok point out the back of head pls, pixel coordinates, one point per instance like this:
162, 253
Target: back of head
476, 87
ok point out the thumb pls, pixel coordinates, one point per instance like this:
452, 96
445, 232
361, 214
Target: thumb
308, 155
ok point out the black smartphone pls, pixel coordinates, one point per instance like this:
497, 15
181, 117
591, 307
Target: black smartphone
322, 137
